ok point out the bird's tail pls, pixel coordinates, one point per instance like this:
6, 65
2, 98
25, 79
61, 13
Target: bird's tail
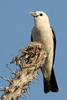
51, 85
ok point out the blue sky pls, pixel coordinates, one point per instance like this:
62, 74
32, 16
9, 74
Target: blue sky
15, 30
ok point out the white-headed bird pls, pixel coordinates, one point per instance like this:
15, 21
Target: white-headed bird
42, 32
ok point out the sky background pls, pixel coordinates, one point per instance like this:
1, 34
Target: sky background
15, 31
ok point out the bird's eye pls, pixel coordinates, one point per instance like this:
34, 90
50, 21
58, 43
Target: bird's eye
41, 14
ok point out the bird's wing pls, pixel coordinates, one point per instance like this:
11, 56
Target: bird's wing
31, 38
54, 39
53, 82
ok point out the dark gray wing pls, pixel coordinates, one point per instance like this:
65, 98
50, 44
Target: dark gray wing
54, 39
53, 82
31, 38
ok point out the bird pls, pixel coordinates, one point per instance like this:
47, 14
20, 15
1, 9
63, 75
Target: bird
43, 32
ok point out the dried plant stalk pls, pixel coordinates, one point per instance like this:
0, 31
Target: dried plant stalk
30, 60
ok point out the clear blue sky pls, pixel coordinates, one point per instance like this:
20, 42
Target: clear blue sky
15, 30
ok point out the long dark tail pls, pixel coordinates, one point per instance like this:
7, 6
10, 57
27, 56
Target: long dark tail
51, 85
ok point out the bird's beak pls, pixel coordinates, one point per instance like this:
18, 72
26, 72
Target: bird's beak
33, 14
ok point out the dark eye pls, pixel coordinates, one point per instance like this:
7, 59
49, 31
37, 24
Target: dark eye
41, 14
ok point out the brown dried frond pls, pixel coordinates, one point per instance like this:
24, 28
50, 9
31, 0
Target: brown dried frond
30, 60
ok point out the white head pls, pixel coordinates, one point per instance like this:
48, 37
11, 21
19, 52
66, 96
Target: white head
40, 17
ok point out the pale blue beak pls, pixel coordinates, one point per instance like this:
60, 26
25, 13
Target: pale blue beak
33, 14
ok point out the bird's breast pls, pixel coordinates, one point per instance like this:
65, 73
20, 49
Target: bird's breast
44, 37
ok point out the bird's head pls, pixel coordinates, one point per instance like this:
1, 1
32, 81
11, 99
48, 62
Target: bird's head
39, 17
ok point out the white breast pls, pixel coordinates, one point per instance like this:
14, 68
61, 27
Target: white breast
44, 37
